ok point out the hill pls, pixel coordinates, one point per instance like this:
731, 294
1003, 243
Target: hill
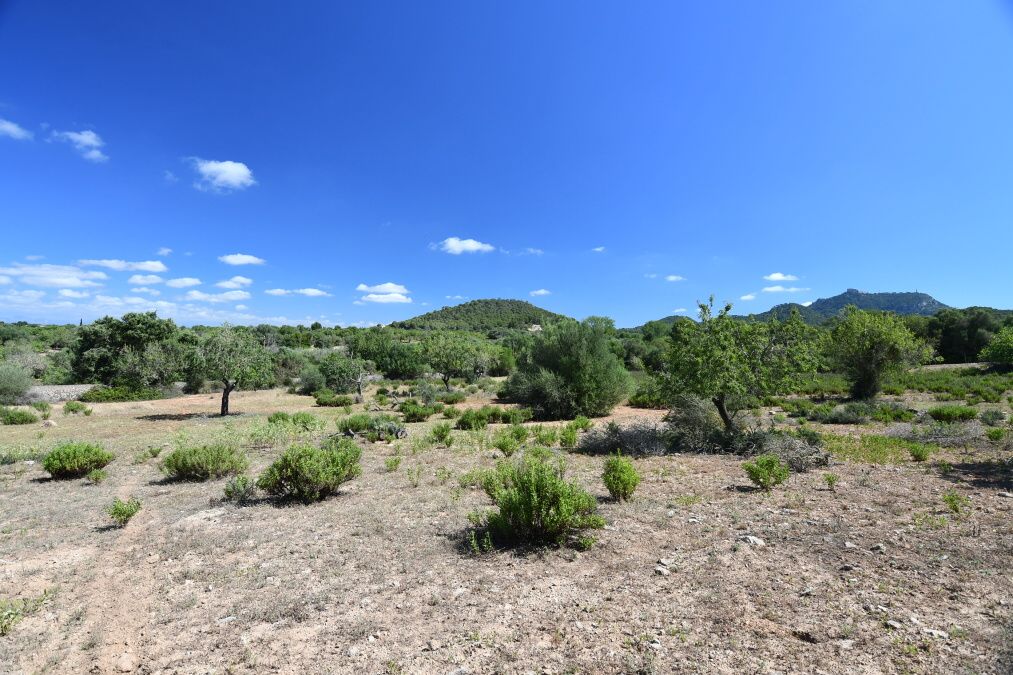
920, 304
482, 316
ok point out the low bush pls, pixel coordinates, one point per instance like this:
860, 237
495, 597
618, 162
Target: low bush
76, 408
992, 418
43, 408
952, 413
635, 440
470, 420
451, 397
413, 411
995, 434
375, 427
920, 452
766, 471
308, 474
581, 423
506, 442
956, 502
440, 434
873, 449
240, 490
14, 416
122, 511
96, 476
392, 463
451, 413
536, 505
545, 436
297, 422
620, 477
892, 412
328, 399
649, 395
14, 382
74, 460
102, 394
568, 437
203, 462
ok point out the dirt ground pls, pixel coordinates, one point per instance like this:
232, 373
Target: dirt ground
863, 579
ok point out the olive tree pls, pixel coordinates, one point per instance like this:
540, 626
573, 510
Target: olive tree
233, 358
724, 359
866, 346
344, 374
454, 355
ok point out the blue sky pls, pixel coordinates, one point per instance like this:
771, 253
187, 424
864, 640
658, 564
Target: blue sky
368, 162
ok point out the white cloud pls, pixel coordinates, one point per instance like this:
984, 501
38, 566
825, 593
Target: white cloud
53, 276
228, 296
598, 249
4, 280
308, 292
240, 308
164, 251
224, 176
388, 287
674, 277
532, 251
169, 177
806, 304
651, 275
183, 282
12, 130
144, 279
748, 296
124, 266
540, 292
145, 290
457, 246
67, 293
87, 142
241, 259
783, 289
235, 282
385, 298
778, 276
33, 258
457, 297
22, 297
679, 310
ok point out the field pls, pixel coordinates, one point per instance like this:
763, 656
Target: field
876, 575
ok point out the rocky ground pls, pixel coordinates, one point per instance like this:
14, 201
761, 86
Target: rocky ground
699, 573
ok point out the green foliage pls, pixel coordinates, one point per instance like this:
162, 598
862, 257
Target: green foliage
375, 427
234, 358
414, 412
831, 480
1000, 348
138, 349
766, 471
328, 399
43, 408
392, 463
451, 397
482, 316
14, 382
344, 374
456, 355
440, 434
391, 351
102, 394
570, 370
920, 452
995, 434
96, 476
873, 449
650, 394
13, 416
240, 490
620, 477
472, 419
76, 408
568, 437
308, 474
952, 413
956, 502
297, 422
122, 511
536, 505
13, 611
203, 462
74, 460
581, 423
506, 442
892, 412
866, 346
722, 359
544, 435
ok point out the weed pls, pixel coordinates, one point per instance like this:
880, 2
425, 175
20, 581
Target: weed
13, 611
956, 502
620, 477
122, 511
96, 476
831, 479
240, 490
76, 408
415, 475
766, 471
391, 464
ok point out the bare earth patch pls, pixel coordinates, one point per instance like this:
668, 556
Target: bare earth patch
876, 576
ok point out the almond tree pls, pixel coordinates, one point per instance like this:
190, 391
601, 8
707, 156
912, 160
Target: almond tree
233, 358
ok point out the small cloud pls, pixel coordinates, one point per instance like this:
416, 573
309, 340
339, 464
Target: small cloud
147, 291
748, 296
807, 303
169, 177
457, 246
144, 279
598, 249
241, 259
385, 298
532, 251
68, 293
674, 277
228, 296
15, 131
124, 266
4, 280
183, 282
651, 275
540, 292
33, 258
221, 176
164, 251
680, 310
308, 292
53, 276
778, 276
87, 142
235, 282
240, 308
388, 287
783, 289
456, 297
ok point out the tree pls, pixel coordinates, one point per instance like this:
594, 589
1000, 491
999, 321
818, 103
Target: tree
569, 370
14, 382
100, 345
1000, 349
455, 355
233, 358
866, 346
343, 374
723, 359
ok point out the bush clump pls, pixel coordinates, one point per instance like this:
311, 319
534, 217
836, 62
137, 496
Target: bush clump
440, 434
14, 416
74, 460
620, 477
102, 394
635, 439
766, 471
298, 422
14, 382
451, 397
122, 511
952, 413
413, 411
308, 474
43, 408
76, 408
240, 490
992, 418
328, 399
203, 462
536, 505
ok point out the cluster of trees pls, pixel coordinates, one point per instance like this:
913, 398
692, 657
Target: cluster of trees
960, 335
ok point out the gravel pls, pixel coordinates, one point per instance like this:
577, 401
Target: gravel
56, 393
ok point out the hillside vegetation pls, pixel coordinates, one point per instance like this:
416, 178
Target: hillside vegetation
482, 316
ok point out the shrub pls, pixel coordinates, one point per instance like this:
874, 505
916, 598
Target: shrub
651, 395
392, 463
506, 442
568, 437
240, 490
766, 471
103, 394
635, 439
620, 477
76, 408
831, 479
581, 423
307, 473
13, 416
304, 421
545, 436
451, 413
440, 434
535, 503
868, 346
74, 460
892, 412
956, 502
952, 413
451, 397
203, 462
992, 418
43, 408
471, 420
122, 511
312, 381
14, 382
96, 476
280, 418
413, 412
995, 434
920, 452
328, 399
357, 423
1000, 348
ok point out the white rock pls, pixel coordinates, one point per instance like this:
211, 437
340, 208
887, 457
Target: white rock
894, 624
662, 570
932, 632
751, 540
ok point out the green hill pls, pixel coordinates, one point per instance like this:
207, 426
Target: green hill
904, 304
482, 316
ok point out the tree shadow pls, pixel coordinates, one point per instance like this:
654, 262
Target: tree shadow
989, 474
178, 417
107, 528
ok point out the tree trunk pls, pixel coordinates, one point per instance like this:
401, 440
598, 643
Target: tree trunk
446, 382
719, 403
225, 398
